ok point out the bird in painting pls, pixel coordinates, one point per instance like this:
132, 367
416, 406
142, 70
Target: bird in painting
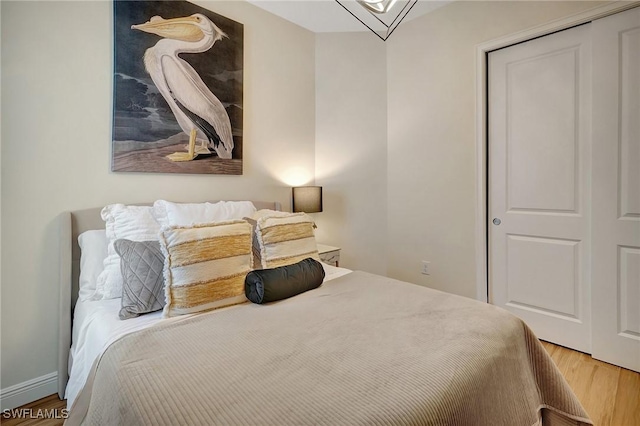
199, 112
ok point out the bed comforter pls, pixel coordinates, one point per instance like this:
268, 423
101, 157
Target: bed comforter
361, 349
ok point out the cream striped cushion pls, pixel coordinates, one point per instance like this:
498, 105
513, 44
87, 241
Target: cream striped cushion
205, 265
283, 238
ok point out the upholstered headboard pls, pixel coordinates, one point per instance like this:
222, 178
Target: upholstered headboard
72, 224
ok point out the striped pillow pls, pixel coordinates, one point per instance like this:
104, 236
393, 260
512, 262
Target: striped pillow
205, 265
283, 238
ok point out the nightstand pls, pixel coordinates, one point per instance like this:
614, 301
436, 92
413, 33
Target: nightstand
329, 254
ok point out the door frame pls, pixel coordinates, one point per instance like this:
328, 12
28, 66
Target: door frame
482, 51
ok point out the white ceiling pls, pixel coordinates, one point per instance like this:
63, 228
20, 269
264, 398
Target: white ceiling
322, 16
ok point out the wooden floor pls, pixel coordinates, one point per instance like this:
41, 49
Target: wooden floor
610, 394
50, 406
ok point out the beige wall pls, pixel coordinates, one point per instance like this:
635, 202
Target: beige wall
56, 104
431, 143
351, 140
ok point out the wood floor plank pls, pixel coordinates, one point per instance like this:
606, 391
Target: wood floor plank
51, 406
627, 409
550, 347
609, 394
598, 386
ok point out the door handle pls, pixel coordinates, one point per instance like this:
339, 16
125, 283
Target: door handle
496, 221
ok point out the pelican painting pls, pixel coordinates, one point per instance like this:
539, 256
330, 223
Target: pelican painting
176, 44
197, 110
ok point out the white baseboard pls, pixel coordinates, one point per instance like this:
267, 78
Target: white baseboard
29, 391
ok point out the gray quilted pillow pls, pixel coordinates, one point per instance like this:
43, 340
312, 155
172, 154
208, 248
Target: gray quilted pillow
141, 264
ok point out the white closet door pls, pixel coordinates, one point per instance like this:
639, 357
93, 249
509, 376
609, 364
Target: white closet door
616, 189
539, 184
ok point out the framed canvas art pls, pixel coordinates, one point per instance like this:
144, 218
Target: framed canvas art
177, 102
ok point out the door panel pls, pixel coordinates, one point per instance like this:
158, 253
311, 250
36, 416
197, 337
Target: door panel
616, 177
539, 184
536, 129
630, 124
629, 294
531, 286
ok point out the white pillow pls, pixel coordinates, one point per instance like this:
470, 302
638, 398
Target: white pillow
270, 213
282, 238
93, 251
135, 223
189, 214
205, 266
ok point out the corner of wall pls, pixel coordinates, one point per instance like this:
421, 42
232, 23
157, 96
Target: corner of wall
351, 147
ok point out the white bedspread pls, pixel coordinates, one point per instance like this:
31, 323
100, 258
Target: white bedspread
96, 325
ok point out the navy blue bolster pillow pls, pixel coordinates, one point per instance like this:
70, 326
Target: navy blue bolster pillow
269, 285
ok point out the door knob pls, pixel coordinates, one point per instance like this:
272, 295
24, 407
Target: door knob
496, 221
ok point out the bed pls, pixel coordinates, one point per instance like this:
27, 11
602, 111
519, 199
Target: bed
359, 349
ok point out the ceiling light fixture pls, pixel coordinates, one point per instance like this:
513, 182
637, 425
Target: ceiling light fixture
378, 6
382, 17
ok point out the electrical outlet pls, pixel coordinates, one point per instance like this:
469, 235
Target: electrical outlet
426, 267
